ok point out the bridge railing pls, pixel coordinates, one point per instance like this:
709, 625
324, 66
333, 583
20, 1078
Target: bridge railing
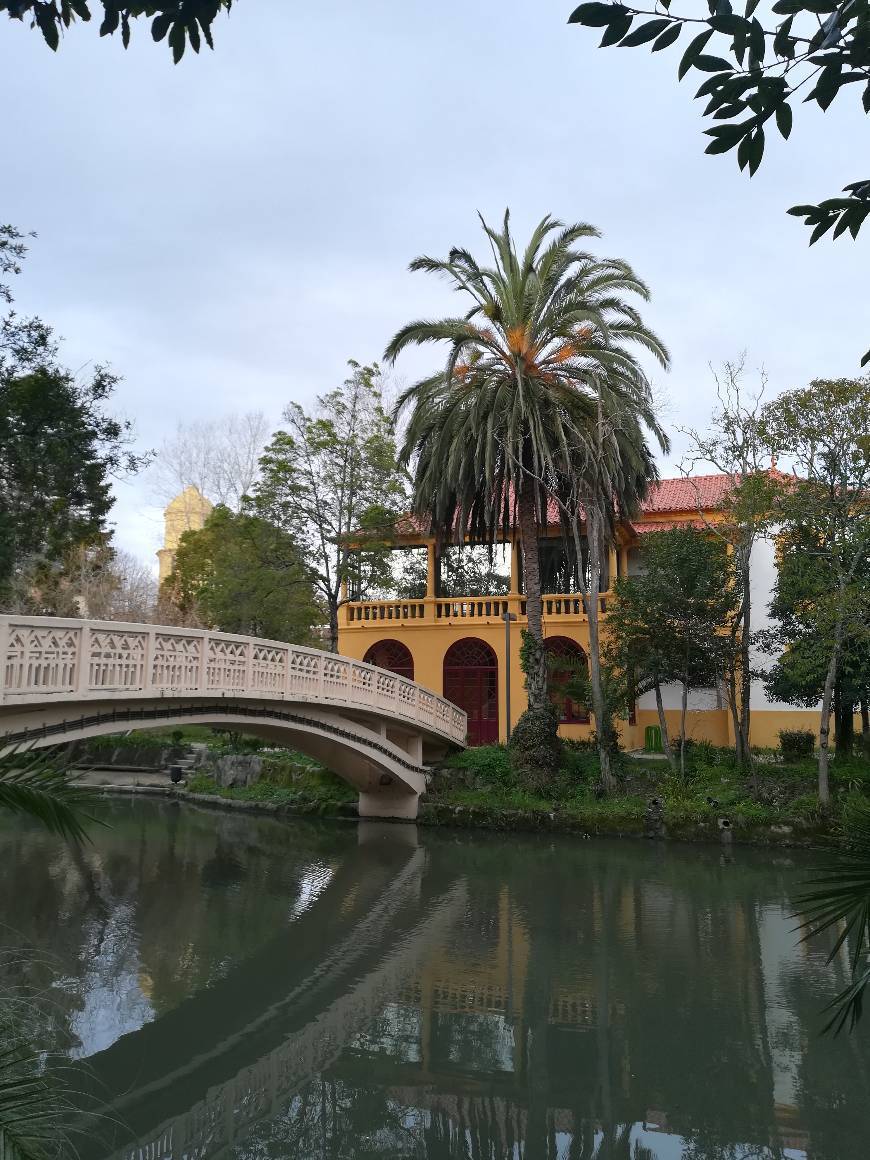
45, 658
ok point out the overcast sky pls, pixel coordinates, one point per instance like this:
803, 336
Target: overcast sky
229, 231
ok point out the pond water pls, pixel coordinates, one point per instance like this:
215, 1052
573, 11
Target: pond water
227, 986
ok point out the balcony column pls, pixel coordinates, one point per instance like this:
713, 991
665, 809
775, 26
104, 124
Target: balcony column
515, 568
431, 568
623, 561
611, 567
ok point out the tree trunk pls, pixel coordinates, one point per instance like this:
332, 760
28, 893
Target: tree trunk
599, 709
684, 704
745, 661
827, 698
536, 670
825, 728
663, 725
333, 624
865, 723
734, 710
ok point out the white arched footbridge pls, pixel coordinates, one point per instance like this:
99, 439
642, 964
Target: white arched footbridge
61, 680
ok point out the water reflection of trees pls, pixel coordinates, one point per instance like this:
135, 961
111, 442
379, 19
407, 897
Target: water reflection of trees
163, 903
590, 1000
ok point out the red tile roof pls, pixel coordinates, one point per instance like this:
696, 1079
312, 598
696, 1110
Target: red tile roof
677, 494
684, 494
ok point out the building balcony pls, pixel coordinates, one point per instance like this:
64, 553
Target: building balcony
431, 610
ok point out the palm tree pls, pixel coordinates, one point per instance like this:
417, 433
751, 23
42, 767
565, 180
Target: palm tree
541, 389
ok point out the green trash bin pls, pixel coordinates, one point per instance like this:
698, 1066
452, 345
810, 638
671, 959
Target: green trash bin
652, 739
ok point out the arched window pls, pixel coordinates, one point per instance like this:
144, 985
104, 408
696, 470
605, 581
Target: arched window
393, 656
471, 682
566, 658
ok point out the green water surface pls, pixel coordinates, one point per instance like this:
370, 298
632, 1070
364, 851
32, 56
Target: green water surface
216, 985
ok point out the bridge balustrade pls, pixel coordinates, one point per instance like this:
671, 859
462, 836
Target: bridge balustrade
45, 659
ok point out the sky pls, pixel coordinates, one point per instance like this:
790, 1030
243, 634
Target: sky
226, 233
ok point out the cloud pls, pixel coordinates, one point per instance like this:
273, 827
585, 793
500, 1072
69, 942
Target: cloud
229, 232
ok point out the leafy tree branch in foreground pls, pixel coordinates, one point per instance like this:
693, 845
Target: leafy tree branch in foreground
754, 74
179, 22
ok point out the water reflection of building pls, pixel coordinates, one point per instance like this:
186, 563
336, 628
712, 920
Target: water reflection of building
423, 998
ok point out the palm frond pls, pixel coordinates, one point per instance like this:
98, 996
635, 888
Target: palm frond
28, 1115
37, 783
838, 900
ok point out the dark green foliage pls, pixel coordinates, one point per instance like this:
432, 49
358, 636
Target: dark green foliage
179, 22
669, 623
58, 452
839, 900
821, 604
536, 748
240, 573
59, 449
795, 744
331, 483
287, 780
753, 72
490, 764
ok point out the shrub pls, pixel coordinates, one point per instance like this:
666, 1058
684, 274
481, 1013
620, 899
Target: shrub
230, 741
136, 739
201, 783
487, 763
579, 764
581, 744
796, 744
806, 806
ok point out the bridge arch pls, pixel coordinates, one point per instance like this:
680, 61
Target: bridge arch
61, 680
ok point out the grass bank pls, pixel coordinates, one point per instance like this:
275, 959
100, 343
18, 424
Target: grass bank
477, 789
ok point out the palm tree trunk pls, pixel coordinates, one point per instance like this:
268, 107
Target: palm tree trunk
536, 662
684, 704
599, 709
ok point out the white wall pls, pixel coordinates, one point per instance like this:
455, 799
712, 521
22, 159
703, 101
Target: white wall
672, 698
762, 582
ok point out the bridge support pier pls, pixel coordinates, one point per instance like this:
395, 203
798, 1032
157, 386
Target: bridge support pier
388, 802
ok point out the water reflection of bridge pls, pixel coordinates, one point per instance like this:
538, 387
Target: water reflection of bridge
474, 1023
231, 1054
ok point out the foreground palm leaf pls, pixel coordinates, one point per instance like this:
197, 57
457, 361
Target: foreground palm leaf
28, 1113
37, 783
839, 899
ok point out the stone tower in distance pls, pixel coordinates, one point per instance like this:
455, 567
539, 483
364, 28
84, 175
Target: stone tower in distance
186, 513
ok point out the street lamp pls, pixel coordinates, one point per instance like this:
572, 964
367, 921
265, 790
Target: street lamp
507, 617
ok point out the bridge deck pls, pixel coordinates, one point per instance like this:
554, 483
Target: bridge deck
61, 680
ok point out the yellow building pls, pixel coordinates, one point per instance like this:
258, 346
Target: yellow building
186, 513
457, 645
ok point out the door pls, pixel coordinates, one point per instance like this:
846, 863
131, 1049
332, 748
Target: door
471, 682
